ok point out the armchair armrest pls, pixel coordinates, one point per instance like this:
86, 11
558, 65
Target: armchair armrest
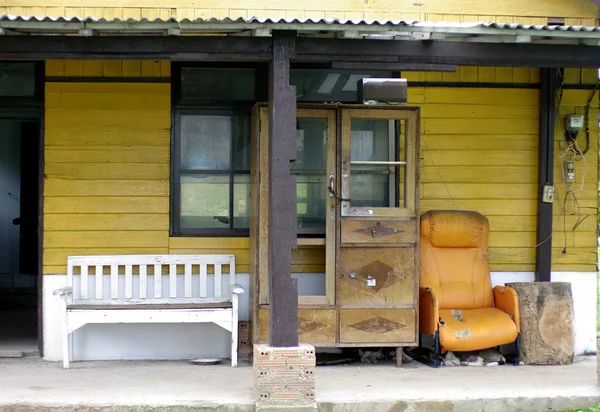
237, 289
506, 300
65, 290
428, 311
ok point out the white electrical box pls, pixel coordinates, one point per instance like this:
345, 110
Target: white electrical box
574, 122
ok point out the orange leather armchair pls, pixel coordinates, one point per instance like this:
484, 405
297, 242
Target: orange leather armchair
458, 308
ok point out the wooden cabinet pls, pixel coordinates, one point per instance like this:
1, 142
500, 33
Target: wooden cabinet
357, 201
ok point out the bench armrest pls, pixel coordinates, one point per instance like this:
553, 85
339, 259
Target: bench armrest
237, 289
506, 300
428, 311
65, 290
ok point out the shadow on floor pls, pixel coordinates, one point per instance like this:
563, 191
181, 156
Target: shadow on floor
18, 325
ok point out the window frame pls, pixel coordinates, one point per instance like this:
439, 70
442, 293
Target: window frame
176, 174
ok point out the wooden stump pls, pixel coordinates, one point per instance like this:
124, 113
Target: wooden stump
546, 313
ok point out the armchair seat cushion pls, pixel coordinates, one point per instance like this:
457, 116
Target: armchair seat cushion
478, 329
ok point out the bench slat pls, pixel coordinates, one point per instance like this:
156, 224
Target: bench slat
157, 281
217, 281
114, 281
99, 283
128, 281
84, 282
203, 280
172, 280
143, 281
188, 280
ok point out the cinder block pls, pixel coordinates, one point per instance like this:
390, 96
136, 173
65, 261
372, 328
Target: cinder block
284, 378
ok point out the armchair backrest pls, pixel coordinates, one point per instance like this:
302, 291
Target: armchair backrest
454, 260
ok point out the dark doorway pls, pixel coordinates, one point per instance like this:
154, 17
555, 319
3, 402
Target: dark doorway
19, 232
21, 166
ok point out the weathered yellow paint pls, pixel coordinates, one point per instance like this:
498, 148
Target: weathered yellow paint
533, 12
469, 150
107, 169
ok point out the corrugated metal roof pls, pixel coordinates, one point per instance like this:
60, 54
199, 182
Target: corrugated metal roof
384, 29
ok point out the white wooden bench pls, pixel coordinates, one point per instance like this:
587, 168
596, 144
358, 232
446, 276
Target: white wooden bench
130, 292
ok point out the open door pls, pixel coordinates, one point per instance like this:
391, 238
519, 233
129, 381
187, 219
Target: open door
357, 206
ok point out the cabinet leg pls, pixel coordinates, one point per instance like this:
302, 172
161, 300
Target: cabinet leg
399, 354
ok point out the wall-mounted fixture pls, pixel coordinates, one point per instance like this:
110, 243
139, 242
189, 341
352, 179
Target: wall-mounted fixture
391, 91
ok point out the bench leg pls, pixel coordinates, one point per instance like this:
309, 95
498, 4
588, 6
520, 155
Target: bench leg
66, 346
234, 332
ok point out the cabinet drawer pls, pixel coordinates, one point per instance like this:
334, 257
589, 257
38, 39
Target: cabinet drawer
314, 326
377, 276
378, 326
379, 231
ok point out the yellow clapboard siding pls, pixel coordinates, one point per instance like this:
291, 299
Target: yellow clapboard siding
479, 157
106, 239
485, 96
55, 68
470, 111
113, 68
485, 207
209, 243
116, 88
74, 101
121, 119
70, 136
58, 256
86, 222
107, 154
527, 255
478, 174
528, 239
504, 10
74, 68
69, 187
511, 223
479, 191
479, 142
99, 171
124, 205
93, 68
480, 126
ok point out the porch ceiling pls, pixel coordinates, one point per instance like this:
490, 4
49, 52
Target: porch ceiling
323, 28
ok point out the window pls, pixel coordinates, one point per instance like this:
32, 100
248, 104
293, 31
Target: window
211, 151
320, 85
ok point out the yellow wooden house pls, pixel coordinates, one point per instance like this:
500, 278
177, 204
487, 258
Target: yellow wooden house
115, 109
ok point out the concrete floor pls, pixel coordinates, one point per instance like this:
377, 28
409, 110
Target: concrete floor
30, 384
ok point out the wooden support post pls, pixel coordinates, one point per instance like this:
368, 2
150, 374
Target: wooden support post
549, 82
283, 290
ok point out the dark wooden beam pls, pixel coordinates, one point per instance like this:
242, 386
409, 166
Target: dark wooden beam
377, 66
283, 289
136, 47
444, 52
549, 82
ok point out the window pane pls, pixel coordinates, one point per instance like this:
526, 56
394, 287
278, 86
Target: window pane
310, 169
17, 79
241, 142
217, 85
205, 201
377, 140
328, 85
241, 201
205, 142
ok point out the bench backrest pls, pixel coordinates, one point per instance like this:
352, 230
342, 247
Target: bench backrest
118, 279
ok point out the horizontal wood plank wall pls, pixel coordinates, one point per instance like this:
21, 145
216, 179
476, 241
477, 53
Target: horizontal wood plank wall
479, 152
575, 12
106, 180
107, 68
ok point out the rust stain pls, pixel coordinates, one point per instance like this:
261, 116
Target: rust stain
378, 325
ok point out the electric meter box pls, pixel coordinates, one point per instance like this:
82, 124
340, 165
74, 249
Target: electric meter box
574, 123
